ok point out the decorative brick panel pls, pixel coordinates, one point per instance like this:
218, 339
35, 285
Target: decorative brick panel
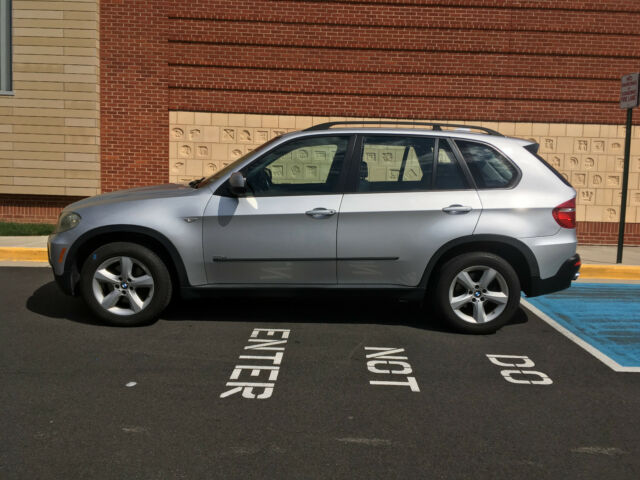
588, 155
200, 143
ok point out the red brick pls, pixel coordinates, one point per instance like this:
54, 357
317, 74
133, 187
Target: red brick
33, 208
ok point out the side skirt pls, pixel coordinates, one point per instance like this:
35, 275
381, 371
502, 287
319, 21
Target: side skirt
288, 291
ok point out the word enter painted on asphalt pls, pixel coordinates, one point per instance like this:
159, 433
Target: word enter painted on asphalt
265, 365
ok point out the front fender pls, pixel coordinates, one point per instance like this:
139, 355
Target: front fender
92, 239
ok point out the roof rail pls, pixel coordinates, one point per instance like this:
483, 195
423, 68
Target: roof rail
435, 126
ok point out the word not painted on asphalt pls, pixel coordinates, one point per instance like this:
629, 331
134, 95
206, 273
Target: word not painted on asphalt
261, 339
386, 361
518, 370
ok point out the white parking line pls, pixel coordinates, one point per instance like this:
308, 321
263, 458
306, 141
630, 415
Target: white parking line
609, 362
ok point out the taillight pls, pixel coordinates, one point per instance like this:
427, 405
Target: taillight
565, 214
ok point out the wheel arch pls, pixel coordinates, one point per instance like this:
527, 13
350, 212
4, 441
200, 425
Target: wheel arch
512, 250
146, 237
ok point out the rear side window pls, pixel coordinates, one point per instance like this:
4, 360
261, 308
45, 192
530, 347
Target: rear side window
489, 168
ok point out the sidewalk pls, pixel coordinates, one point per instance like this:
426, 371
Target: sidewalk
598, 261
23, 251
24, 242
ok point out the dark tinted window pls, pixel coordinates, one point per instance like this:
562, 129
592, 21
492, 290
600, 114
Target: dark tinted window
396, 163
449, 175
306, 166
489, 168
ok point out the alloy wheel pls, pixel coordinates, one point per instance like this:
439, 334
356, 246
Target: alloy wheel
478, 294
123, 285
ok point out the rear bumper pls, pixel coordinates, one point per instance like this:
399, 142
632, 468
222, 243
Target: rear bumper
568, 272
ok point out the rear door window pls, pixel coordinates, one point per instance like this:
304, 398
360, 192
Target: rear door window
488, 167
396, 163
449, 175
408, 163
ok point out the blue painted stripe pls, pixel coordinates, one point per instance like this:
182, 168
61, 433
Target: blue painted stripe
605, 315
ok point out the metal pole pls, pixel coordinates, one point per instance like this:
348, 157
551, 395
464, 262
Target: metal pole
625, 185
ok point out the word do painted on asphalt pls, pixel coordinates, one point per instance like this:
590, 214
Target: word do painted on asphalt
261, 339
385, 361
518, 370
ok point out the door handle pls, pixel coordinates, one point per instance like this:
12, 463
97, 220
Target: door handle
456, 209
320, 212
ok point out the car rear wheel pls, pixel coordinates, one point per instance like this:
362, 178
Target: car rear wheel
477, 292
125, 284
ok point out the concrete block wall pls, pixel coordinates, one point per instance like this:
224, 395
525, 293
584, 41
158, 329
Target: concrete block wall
49, 126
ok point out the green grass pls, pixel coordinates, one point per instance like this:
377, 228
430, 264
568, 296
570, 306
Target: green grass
10, 229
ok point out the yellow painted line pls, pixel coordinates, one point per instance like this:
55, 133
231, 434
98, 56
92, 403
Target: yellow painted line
614, 272
22, 254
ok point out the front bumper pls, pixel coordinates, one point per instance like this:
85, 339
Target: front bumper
65, 273
568, 272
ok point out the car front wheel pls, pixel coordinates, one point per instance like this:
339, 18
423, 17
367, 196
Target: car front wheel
477, 292
125, 284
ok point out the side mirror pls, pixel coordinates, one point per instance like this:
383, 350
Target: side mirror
237, 183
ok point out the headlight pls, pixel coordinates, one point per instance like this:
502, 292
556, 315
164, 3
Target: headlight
67, 221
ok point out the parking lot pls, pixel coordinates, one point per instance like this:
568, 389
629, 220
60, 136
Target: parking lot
304, 388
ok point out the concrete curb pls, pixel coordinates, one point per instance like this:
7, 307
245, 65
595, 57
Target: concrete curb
612, 272
23, 254
587, 271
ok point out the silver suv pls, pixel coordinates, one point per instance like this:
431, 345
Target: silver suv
458, 215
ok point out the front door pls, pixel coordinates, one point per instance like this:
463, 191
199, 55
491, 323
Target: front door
283, 231
411, 197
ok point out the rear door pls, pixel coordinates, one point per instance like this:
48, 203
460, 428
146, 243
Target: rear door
409, 197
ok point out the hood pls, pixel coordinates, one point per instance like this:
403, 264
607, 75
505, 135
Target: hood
134, 194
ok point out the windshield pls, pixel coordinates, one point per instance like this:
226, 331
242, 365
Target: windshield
233, 166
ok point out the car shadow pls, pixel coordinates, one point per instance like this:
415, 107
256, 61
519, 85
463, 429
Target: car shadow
49, 301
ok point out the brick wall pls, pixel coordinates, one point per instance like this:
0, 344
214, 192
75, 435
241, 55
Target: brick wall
606, 233
465, 59
134, 94
517, 62
478, 60
33, 208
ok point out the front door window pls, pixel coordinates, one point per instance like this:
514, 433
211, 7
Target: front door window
308, 166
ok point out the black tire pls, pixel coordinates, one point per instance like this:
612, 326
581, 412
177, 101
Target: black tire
145, 264
477, 263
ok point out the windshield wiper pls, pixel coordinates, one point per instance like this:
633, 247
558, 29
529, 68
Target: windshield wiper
195, 183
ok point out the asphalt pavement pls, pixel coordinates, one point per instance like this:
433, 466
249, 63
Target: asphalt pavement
182, 398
